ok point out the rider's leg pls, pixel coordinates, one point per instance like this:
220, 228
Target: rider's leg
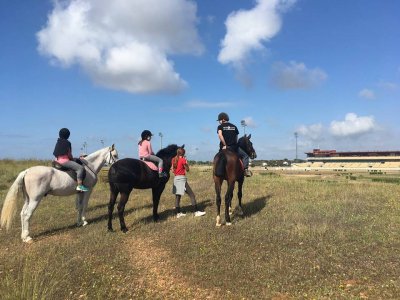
156, 160
245, 158
80, 173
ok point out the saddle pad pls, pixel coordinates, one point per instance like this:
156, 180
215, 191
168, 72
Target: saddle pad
151, 165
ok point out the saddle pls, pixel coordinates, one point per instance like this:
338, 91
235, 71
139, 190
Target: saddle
70, 172
150, 164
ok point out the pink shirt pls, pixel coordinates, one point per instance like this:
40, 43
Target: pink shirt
145, 149
64, 158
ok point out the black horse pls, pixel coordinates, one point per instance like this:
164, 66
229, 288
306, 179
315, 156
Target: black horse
128, 173
228, 166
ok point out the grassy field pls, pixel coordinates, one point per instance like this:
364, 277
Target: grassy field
301, 237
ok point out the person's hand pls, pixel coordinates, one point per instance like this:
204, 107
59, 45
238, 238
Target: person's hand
224, 147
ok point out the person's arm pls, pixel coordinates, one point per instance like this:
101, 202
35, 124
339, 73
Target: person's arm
186, 165
221, 138
150, 148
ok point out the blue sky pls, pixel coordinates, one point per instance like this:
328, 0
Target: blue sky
328, 70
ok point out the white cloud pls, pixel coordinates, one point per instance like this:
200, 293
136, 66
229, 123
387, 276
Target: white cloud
313, 132
249, 122
389, 86
248, 29
367, 94
123, 44
353, 125
204, 104
296, 76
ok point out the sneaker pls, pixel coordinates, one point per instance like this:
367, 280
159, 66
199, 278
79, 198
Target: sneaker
179, 215
199, 213
162, 175
82, 188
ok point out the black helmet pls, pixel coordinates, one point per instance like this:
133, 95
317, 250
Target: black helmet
64, 133
223, 116
146, 134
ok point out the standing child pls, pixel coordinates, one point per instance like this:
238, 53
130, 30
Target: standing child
63, 153
146, 152
180, 166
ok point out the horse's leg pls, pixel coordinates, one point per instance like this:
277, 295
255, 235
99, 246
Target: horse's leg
218, 183
239, 194
121, 208
80, 207
84, 205
113, 198
26, 214
24, 229
228, 200
157, 191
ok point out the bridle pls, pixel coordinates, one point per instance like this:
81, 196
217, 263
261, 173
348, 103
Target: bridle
111, 158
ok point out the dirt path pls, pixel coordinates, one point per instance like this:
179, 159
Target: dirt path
160, 278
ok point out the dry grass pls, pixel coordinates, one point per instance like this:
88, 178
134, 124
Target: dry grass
314, 237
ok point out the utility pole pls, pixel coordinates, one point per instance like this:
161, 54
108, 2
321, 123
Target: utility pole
161, 136
296, 136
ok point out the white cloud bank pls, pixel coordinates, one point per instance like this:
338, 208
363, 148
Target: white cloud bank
353, 125
122, 44
367, 94
296, 76
248, 29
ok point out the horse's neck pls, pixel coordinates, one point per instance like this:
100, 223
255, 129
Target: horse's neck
96, 160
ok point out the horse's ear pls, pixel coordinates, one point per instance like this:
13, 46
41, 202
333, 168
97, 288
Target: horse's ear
249, 137
183, 146
112, 147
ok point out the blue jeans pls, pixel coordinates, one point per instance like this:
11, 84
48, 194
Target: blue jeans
245, 158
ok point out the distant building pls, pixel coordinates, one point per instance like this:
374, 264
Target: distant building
332, 159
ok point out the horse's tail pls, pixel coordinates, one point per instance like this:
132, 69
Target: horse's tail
10, 203
221, 165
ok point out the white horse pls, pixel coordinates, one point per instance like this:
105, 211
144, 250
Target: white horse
37, 182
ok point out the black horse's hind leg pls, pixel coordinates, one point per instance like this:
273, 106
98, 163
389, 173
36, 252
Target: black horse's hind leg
240, 194
157, 191
113, 198
121, 208
228, 200
218, 183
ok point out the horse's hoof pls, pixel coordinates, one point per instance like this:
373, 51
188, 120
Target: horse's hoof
124, 230
218, 222
110, 230
28, 240
239, 211
228, 223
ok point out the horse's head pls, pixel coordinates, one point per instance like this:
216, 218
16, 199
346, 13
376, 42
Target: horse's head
112, 155
247, 146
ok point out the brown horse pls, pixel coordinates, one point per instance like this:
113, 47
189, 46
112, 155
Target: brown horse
228, 166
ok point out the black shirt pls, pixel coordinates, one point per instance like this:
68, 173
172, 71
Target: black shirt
230, 133
62, 147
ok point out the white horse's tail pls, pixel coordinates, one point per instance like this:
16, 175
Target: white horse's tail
10, 203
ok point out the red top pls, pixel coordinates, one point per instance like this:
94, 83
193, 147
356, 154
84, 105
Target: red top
180, 168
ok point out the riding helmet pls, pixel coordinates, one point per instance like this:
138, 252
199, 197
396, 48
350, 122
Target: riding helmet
64, 133
223, 116
146, 134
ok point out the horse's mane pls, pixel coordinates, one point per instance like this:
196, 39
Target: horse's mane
168, 151
241, 140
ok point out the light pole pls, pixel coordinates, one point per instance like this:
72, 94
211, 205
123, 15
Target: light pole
243, 123
161, 136
102, 143
296, 136
84, 148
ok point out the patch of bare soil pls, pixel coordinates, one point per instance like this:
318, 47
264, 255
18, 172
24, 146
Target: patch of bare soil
160, 277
